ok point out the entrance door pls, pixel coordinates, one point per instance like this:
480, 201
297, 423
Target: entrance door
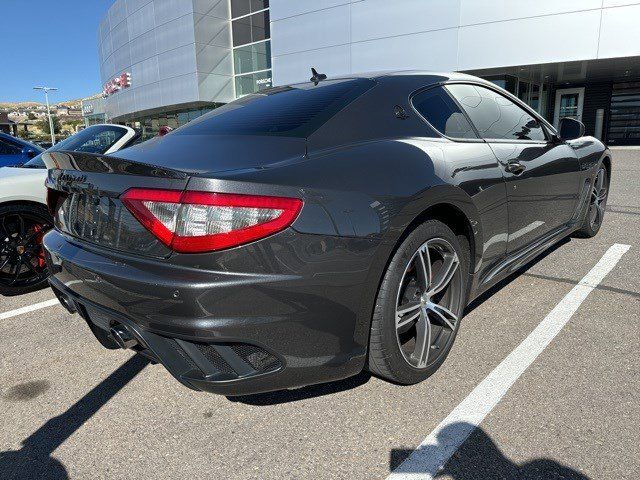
569, 103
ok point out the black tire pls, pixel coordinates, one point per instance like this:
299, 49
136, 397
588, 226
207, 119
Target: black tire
386, 357
597, 204
37, 215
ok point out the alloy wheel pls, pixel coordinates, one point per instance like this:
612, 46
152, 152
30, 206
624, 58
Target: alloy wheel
428, 297
22, 262
598, 198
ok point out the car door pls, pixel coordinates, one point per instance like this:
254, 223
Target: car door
541, 174
467, 162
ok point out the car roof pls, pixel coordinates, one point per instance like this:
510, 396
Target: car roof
420, 73
423, 77
374, 75
400, 74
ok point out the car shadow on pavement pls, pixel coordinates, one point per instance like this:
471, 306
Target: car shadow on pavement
479, 458
34, 460
311, 391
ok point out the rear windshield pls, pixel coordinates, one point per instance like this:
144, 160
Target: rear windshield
295, 110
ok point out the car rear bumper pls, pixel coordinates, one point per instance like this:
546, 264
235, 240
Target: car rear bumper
219, 331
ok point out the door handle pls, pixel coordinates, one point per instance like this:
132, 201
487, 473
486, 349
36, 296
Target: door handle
515, 167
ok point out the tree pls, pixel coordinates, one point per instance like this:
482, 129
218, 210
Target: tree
44, 125
31, 116
24, 134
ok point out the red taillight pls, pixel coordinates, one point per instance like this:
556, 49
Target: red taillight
192, 222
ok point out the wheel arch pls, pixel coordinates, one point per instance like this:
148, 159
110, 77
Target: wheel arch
606, 161
453, 217
457, 214
446, 203
452, 206
31, 203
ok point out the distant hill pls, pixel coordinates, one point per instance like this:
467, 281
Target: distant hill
24, 105
15, 105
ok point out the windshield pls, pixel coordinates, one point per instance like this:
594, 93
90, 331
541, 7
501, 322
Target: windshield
295, 110
94, 139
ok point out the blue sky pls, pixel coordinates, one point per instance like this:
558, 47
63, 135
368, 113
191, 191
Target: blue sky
50, 42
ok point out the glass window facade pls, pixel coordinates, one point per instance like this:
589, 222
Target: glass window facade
533, 94
252, 28
252, 82
543, 100
94, 119
509, 83
149, 126
252, 58
240, 8
252, 46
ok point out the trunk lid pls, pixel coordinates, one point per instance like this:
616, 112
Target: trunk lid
86, 188
84, 196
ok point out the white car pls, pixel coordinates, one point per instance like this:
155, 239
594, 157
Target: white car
24, 218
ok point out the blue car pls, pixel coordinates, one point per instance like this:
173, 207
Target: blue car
15, 151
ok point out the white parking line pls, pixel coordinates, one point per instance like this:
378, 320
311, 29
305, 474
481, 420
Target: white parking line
441, 444
29, 308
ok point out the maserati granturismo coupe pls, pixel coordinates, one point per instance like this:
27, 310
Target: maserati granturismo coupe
307, 232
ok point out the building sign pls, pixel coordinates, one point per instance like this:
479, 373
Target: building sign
117, 84
87, 108
263, 82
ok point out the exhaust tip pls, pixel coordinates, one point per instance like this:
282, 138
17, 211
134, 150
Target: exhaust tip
122, 337
67, 303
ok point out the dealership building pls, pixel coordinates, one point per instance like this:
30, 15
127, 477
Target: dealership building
165, 62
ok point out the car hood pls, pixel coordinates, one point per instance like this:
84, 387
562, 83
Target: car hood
203, 154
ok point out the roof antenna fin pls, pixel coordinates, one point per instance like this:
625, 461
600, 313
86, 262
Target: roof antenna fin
317, 77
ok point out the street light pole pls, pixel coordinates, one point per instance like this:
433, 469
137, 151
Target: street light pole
46, 91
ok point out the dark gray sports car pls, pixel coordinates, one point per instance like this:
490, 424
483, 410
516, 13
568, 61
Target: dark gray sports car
307, 232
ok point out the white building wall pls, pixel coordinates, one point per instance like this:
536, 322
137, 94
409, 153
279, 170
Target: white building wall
177, 51
349, 36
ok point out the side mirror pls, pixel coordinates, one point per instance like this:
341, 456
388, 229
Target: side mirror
29, 152
570, 128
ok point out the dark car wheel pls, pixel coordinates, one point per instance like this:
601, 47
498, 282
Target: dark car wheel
597, 204
419, 305
22, 264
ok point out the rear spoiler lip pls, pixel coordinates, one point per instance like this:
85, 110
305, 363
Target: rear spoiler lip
96, 163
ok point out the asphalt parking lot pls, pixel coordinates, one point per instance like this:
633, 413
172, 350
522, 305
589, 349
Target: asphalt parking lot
71, 409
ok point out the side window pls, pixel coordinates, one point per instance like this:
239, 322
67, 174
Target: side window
495, 116
439, 109
9, 148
